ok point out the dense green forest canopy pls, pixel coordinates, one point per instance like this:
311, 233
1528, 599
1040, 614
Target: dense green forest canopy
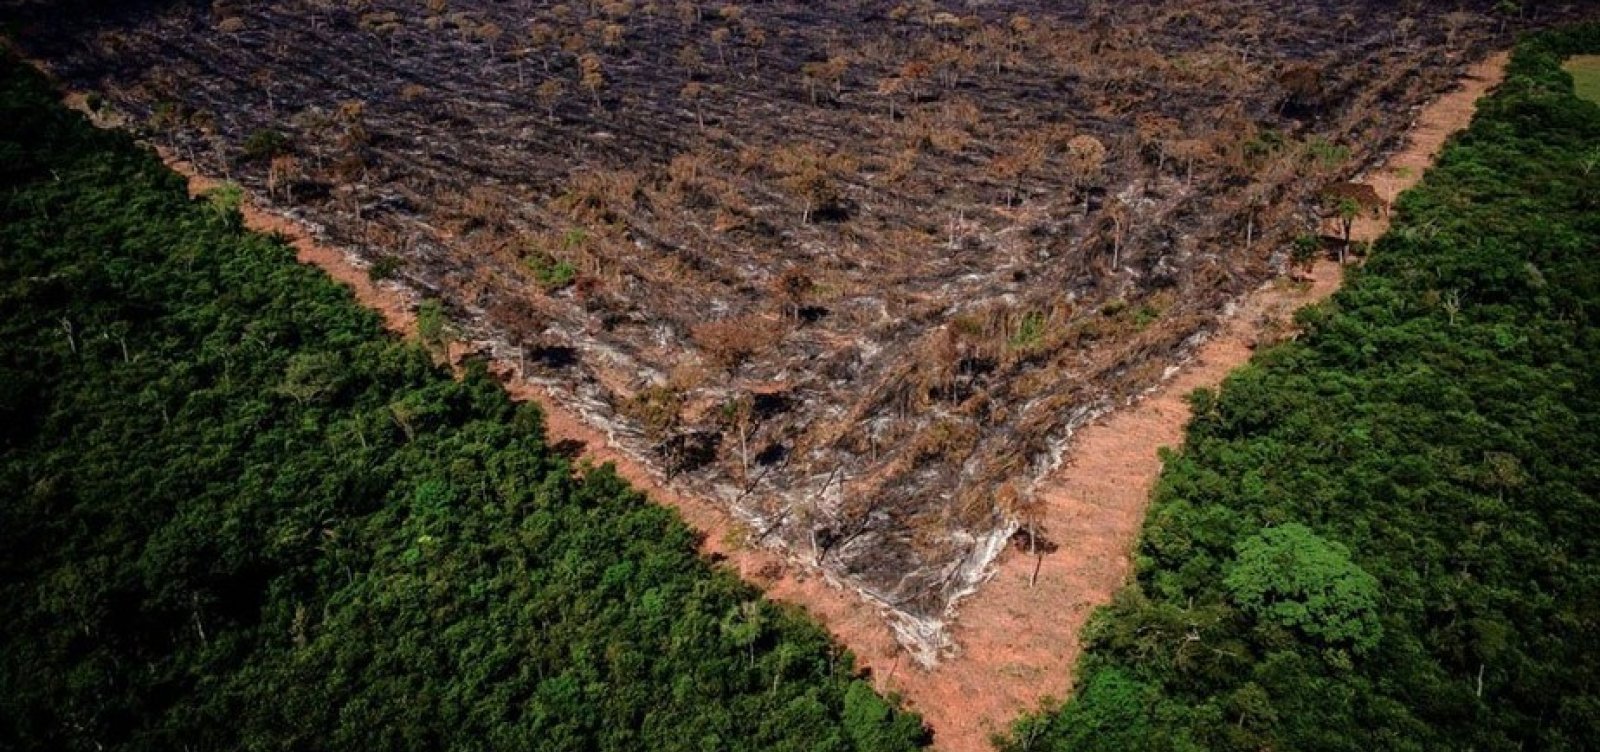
236, 515
1386, 535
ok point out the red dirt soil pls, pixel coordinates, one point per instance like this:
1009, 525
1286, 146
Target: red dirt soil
1017, 643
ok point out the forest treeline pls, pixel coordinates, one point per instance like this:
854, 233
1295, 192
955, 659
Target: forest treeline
237, 515
1385, 535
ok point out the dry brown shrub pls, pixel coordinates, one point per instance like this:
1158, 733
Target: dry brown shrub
730, 342
900, 165
949, 140
727, 221
657, 409
485, 205
348, 169
792, 288
600, 195
946, 440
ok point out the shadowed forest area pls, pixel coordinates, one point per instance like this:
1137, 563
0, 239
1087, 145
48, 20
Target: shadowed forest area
239, 516
1383, 535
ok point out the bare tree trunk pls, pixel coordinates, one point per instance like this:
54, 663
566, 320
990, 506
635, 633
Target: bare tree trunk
1033, 550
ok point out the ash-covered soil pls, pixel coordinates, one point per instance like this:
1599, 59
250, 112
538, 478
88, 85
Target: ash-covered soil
857, 269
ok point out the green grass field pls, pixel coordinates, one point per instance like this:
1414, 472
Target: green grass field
1585, 70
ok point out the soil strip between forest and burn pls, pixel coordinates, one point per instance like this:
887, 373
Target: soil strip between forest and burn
1018, 635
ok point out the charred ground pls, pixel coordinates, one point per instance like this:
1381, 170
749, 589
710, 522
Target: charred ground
857, 269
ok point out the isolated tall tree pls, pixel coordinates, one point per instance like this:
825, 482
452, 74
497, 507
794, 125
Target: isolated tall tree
995, 44
914, 73
1454, 23
739, 415
1402, 30
281, 174
792, 288
1302, 86
1303, 253
1255, 199
688, 13
755, 38
1189, 151
549, 93
808, 173
1121, 216
1506, 9
543, 36
1012, 168
1021, 26
1154, 133
1346, 23
812, 74
889, 87
265, 79
1347, 202
719, 39
690, 58
951, 60
592, 75
1086, 159
830, 71
490, 34
692, 93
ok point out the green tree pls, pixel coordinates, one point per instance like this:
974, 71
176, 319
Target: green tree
1291, 577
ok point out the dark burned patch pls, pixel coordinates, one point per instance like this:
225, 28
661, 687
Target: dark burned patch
687, 451
811, 314
1033, 540
570, 449
835, 212
771, 454
389, 204
1096, 199
826, 537
308, 191
974, 366
553, 356
768, 405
